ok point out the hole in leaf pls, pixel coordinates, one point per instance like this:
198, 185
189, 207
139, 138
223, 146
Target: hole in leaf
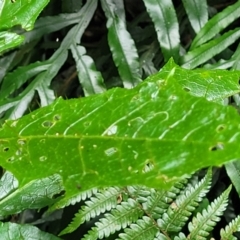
11, 159
110, 151
19, 152
6, 149
218, 146
149, 166
187, 89
87, 124
56, 117
47, 124
42, 158
21, 141
58, 194
220, 128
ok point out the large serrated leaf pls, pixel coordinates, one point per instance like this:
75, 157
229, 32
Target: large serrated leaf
151, 135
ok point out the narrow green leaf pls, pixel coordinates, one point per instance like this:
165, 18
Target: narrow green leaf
163, 15
8, 184
13, 231
34, 195
232, 169
197, 12
208, 50
216, 24
121, 44
17, 13
46, 25
90, 79
155, 133
21, 75
42, 81
221, 64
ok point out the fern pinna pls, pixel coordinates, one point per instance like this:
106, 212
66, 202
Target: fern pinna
138, 212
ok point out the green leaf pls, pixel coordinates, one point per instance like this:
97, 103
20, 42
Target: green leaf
15, 79
151, 135
197, 12
163, 15
205, 52
45, 71
121, 44
49, 24
232, 169
143, 229
9, 40
204, 222
90, 79
230, 229
8, 184
216, 24
34, 195
208, 84
17, 13
13, 231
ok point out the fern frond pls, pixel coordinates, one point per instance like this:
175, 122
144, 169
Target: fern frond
202, 224
181, 236
100, 203
81, 196
179, 211
155, 202
119, 218
143, 229
233, 226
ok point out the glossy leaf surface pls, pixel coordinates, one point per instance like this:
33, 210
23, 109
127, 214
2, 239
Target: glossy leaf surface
197, 13
216, 24
13, 231
34, 195
205, 52
17, 13
165, 21
151, 135
121, 44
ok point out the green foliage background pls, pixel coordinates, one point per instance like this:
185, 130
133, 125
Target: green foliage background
150, 132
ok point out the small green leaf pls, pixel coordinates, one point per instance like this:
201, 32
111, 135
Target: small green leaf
34, 195
165, 22
17, 13
13, 231
197, 12
208, 50
121, 44
9, 40
233, 172
216, 24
